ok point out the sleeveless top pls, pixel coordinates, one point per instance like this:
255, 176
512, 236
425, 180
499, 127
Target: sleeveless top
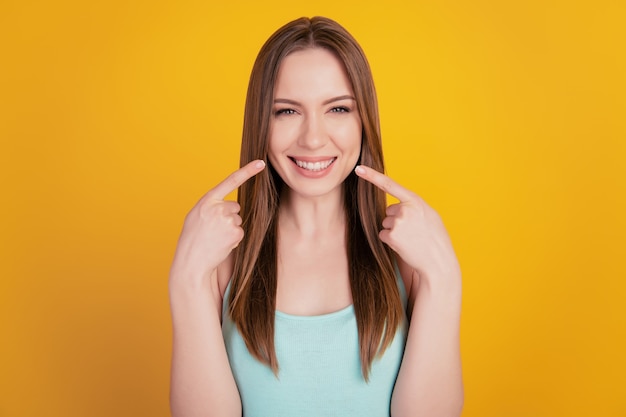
319, 367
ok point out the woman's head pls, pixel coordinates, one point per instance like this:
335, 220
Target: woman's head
300, 34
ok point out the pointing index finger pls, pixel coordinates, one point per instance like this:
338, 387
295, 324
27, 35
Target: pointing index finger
234, 180
384, 183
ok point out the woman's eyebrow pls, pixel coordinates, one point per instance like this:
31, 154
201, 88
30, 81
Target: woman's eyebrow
339, 98
286, 101
330, 100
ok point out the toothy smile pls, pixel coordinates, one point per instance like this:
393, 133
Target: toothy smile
314, 166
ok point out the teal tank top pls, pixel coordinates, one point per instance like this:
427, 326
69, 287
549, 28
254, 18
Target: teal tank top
320, 368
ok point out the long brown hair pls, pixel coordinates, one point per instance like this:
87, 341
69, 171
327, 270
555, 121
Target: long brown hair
375, 295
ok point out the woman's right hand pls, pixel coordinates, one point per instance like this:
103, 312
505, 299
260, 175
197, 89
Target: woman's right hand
212, 229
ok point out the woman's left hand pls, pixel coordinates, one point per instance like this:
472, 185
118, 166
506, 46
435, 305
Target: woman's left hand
415, 231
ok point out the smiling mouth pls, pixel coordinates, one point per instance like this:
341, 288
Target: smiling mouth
314, 166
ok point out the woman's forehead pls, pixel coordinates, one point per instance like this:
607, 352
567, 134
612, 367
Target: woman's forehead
312, 73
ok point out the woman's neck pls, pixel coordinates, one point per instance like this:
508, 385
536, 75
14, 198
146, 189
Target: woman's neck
312, 217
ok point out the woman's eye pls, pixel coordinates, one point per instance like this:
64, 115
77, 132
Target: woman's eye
284, 111
340, 109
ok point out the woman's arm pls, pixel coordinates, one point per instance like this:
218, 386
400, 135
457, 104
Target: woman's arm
202, 383
429, 383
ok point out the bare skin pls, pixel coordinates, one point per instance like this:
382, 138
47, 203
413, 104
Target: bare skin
201, 380
429, 382
312, 261
315, 121
430, 377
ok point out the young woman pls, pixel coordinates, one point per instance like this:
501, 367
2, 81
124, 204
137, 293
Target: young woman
310, 297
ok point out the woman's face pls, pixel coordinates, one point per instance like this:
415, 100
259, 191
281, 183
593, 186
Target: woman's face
315, 128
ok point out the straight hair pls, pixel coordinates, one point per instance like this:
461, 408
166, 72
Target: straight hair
376, 299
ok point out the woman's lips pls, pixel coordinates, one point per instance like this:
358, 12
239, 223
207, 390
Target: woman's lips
313, 167
318, 165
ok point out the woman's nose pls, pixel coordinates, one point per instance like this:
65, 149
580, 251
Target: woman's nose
313, 135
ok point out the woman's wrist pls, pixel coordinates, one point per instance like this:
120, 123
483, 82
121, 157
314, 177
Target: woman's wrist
189, 282
442, 283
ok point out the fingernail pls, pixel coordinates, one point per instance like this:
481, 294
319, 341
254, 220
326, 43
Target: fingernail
259, 164
359, 170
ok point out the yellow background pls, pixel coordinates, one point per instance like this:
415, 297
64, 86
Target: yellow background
508, 117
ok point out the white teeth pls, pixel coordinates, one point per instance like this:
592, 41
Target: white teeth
314, 166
